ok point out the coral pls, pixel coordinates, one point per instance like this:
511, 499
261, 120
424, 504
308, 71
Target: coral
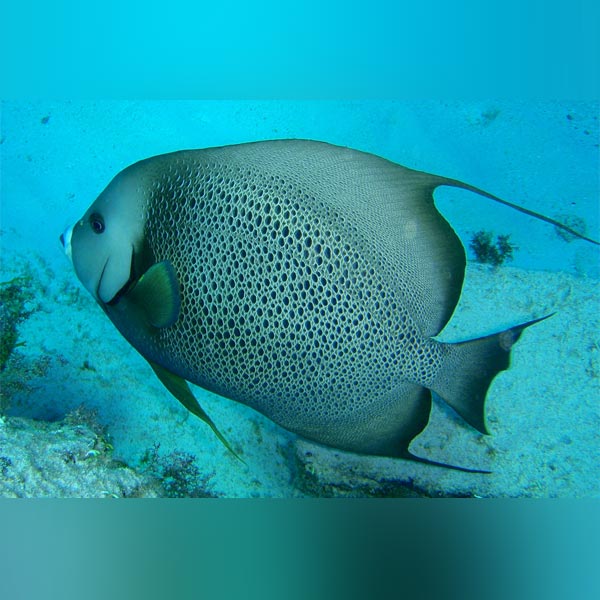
487, 251
13, 296
83, 417
178, 474
64, 460
87, 417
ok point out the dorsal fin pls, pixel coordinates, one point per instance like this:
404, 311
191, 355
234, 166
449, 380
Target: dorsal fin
388, 212
531, 213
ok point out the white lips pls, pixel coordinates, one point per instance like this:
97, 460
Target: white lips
67, 236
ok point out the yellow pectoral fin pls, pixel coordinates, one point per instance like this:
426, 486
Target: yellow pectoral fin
157, 295
180, 389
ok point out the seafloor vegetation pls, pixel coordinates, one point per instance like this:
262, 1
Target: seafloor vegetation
491, 252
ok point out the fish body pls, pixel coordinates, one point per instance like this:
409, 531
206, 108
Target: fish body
305, 280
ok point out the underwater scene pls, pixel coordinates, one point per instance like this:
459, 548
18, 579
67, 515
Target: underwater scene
324, 320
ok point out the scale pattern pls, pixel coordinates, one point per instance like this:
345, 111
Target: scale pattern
285, 306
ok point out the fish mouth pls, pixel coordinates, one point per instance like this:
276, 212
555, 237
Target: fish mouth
65, 240
131, 281
97, 290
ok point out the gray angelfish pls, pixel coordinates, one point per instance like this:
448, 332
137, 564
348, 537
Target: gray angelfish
299, 278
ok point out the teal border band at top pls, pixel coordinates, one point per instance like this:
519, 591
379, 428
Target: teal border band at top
380, 49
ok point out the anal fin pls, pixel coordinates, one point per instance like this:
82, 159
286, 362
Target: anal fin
407, 455
390, 432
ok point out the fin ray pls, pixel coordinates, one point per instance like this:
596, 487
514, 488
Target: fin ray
526, 211
181, 390
407, 455
478, 361
157, 294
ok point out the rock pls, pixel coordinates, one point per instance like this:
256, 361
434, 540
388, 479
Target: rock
62, 459
324, 473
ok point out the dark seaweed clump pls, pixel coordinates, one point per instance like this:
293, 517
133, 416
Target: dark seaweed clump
177, 473
13, 296
489, 252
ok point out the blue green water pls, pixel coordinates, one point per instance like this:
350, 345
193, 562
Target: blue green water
58, 156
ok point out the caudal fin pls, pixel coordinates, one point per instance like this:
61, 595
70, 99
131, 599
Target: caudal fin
469, 368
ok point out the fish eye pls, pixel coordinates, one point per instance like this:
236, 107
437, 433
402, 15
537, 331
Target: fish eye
97, 223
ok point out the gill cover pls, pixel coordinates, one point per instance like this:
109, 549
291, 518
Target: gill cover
105, 240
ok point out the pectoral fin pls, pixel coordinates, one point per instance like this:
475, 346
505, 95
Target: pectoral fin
156, 294
180, 389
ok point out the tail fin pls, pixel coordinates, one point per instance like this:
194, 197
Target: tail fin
469, 369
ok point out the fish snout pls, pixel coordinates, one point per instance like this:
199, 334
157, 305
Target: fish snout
65, 240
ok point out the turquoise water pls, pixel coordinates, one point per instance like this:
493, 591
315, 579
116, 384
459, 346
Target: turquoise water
58, 156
